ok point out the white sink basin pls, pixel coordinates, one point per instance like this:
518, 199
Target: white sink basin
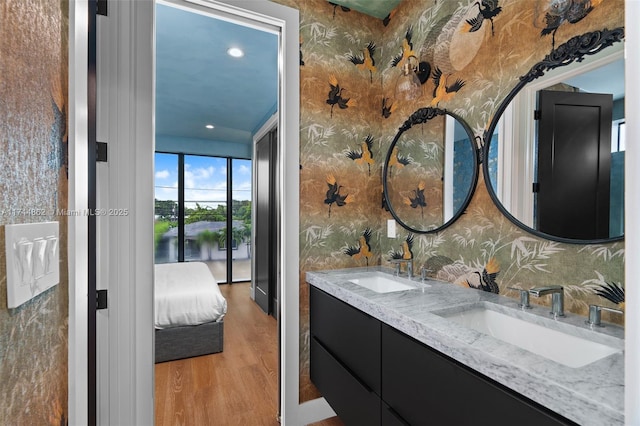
380, 283
552, 344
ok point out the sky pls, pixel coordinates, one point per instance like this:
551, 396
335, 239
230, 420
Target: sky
205, 179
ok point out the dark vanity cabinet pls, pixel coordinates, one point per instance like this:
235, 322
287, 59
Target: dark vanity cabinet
372, 374
426, 387
345, 358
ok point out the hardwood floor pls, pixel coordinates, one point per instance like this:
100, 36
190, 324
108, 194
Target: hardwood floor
237, 387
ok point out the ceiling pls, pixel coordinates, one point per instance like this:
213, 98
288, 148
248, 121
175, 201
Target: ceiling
376, 8
198, 83
605, 79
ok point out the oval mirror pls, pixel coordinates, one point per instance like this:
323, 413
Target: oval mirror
555, 159
430, 171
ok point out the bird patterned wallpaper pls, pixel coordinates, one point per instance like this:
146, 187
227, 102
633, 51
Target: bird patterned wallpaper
470, 56
33, 175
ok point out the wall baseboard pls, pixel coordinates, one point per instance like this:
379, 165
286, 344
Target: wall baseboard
315, 411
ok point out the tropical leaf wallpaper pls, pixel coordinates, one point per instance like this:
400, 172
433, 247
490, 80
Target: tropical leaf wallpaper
471, 55
33, 175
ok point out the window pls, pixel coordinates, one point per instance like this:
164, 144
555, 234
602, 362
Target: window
192, 195
618, 136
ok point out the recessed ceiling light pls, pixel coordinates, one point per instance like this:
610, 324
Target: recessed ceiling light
235, 52
209, 126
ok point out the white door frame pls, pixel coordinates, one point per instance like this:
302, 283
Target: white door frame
632, 219
78, 201
130, 399
130, 255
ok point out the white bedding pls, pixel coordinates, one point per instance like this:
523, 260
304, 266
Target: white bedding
186, 294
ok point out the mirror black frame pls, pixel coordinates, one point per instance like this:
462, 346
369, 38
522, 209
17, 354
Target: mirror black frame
421, 116
573, 50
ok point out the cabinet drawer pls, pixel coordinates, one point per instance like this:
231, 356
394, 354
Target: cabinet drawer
353, 401
349, 334
388, 417
425, 387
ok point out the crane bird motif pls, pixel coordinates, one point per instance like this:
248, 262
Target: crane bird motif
335, 95
442, 92
407, 50
335, 6
333, 195
485, 280
388, 107
613, 292
366, 61
364, 156
397, 160
561, 11
387, 19
489, 9
406, 252
363, 249
418, 200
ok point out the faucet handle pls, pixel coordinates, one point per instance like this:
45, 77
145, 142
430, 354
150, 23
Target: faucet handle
410, 268
423, 272
524, 297
595, 312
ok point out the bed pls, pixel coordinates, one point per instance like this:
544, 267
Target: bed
189, 311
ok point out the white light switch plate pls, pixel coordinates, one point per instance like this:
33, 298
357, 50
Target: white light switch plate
391, 228
33, 260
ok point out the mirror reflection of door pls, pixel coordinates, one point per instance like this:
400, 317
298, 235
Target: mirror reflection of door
574, 157
513, 149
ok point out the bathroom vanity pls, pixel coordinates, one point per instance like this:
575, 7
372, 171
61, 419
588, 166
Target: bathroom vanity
410, 353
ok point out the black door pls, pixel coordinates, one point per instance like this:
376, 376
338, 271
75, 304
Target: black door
265, 244
574, 161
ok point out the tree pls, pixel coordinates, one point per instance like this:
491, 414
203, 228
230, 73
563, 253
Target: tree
242, 210
237, 233
159, 229
166, 210
207, 237
208, 214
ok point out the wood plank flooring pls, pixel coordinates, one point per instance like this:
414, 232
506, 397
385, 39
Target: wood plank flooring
237, 387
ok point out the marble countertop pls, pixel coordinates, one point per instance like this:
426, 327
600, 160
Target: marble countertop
589, 395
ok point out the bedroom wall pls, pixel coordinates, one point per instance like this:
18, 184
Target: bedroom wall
490, 65
175, 144
33, 174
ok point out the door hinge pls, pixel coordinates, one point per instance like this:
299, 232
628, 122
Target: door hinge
101, 152
537, 114
536, 187
101, 299
101, 8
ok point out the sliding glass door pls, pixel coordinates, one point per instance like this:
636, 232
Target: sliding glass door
193, 221
241, 216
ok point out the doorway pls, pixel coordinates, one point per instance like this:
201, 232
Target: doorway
216, 86
128, 41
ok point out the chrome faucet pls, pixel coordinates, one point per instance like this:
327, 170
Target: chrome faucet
524, 297
423, 273
409, 263
557, 298
595, 312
